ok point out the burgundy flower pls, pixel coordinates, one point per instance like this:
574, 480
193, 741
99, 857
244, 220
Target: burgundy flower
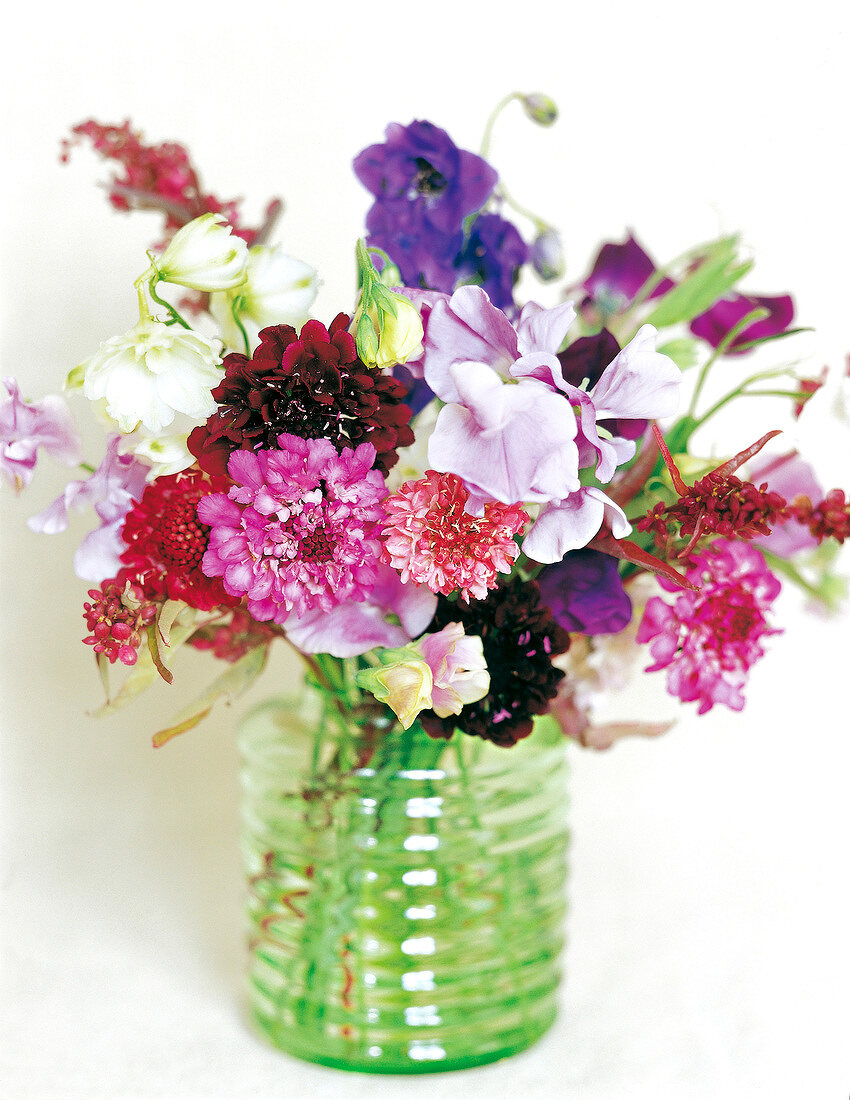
717, 504
117, 617
618, 273
520, 637
166, 542
311, 385
715, 324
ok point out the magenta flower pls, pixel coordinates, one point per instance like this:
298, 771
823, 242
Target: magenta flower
710, 638
713, 325
26, 426
299, 530
117, 482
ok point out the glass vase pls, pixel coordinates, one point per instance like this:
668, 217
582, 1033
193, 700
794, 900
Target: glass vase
405, 895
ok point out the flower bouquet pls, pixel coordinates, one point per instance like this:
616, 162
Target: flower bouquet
472, 517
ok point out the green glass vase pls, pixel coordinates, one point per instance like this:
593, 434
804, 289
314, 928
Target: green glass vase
406, 895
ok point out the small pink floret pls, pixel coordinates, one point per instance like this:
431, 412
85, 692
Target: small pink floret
431, 539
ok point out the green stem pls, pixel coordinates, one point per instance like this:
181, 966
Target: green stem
487, 137
741, 391
175, 316
234, 313
753, 316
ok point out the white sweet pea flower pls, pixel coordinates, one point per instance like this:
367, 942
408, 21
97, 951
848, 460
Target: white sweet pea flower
151, 373
204, 255
278, 290
822, 432
167, 454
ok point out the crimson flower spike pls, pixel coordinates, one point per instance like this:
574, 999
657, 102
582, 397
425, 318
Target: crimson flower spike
718, 503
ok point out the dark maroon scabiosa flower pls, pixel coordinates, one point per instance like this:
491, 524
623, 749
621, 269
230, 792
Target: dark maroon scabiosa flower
424, 186
520, 638
491, 258
166, 542
716, 323
311, 385
585, 593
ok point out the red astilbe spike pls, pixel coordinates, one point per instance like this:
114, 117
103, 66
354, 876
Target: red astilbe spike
828, 519
717, 504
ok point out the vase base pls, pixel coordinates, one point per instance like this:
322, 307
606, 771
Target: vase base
410, 1057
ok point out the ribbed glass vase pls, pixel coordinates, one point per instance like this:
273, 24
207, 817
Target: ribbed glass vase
406, 895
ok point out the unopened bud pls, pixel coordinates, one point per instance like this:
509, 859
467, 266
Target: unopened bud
540, 108
547, 254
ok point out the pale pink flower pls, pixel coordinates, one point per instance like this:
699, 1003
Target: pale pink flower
431, 539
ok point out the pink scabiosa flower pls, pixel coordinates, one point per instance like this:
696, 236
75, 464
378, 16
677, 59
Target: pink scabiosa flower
299, 530
709, 639
431, 539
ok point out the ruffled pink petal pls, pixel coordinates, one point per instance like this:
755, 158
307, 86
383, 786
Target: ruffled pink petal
542, 329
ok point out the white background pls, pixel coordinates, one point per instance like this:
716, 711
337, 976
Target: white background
708, 930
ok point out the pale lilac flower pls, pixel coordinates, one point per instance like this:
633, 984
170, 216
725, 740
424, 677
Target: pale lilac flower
788, 475
516, 431
299, 530
458, 668
117, 482
708, 639
25, 426
350, 629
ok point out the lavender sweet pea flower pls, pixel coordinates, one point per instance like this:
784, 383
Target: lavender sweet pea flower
24, 427
492, 257
515, 430
618, 273
117, 482
585, 593
713, 325
586, 359
352, 628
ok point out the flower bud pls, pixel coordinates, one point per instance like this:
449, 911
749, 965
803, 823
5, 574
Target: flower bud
547, 254
540, 108
204, 255
404, 683
399, 336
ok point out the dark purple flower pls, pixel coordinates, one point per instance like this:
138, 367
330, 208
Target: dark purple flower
587, 358
492, 257
424, 187
713, 325
585, 593
618, 273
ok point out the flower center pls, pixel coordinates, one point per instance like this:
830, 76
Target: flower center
183, 538
428, 180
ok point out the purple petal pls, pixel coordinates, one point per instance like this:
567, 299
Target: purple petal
714, 325
585, 593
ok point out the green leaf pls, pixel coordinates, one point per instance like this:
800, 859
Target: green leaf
144, 671
683, 351
229, 685
716, 274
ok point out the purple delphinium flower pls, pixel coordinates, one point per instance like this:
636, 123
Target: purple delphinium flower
709, 638
114, 486
24, 427
585, 593
618, 273
714, 325
299, 530
491, 258
424, 187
